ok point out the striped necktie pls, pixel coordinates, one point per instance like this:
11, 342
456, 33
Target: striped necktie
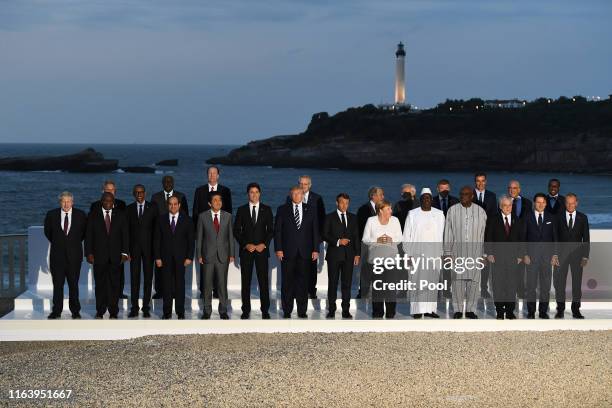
296, 216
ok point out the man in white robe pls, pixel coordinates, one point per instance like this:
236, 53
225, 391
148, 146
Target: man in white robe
463, 241
423, 237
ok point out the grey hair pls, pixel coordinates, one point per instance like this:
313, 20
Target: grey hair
408, 185
503, 198
373, 190
64, 194
514, 181
305, 176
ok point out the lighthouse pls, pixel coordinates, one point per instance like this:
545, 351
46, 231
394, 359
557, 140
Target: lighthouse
400, 86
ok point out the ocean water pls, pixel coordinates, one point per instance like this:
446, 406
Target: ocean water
25, 197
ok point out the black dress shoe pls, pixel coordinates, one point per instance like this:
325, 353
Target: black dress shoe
244, 316
286, 315
224, 316
510, 316
330, 315
157, 296
123, 296
114, 317
433, 315
347, 315
417, 316
133, 313
205, 316
543, 315
54, 316
181, 316
577, 315
500, 315
559, 315
471, 315
99, 316
531, 315
302, 315
458, 315
166, 317
76, 315
146, 314
265, 315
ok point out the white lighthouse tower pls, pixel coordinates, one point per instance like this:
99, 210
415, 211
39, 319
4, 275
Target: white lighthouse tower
400, 86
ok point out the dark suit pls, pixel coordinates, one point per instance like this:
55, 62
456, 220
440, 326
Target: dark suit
65, 256
96, 206
159, 199
438, 202
525, 207
340, 259
141, 251
555, 206
401, 209
315, 202
107, 249
297, 246
259, 232
365, 273
506, 248
173, 248
540, 247
574, 245
487, 202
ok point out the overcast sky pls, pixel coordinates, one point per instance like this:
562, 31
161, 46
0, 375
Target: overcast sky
230, 71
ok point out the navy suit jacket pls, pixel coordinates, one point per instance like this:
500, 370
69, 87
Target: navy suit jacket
489, 204
292, 241
540, 241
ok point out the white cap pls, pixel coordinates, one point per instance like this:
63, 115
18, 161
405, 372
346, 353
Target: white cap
426, 190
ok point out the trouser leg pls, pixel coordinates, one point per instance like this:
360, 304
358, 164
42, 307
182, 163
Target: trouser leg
72, 276
246, 273
261, 268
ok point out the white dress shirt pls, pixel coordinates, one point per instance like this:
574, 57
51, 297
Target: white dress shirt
340, 217
218, 214
168, 194
213, 188
63, 215
509, 218
567, 214
256, 205
306, 195
300, 210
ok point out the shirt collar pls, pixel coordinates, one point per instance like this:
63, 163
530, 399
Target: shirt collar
171, 192
216, 187
253, 204
69, 212
340, 213
110, 212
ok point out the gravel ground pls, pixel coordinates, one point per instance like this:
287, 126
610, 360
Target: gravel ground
551, 369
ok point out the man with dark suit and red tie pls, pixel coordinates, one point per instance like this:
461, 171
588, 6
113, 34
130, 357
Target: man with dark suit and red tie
173, 250
296, 241
254, 229
201, 202
341, 233
574, 243
65, 229
109, 186
107, 248
142, 216
540, 255
504, 235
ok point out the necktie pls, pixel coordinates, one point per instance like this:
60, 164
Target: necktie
216, 223
107, 221
506, 226
172, 224
343, 220
212, 189
444, 207
570, 224
253, 216
540, 220
66, 224
167, 196
139, 210
480, 197
518, 207
296, 215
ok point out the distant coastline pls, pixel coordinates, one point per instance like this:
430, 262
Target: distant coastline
563, 135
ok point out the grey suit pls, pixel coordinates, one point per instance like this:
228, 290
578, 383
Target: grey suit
215, 249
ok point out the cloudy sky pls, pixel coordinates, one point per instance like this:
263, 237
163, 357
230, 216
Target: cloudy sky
230, 71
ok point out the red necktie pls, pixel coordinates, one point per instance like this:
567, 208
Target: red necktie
507, 226
66, 224
107, 221
216, 223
